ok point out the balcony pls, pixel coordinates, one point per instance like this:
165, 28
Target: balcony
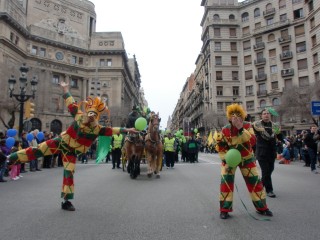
259, 46
261, 77
284, 39
269, 12
272, 27
286, 55
287, 72
260, 61
262, 93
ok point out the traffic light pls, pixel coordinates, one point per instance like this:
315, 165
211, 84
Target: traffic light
29, 109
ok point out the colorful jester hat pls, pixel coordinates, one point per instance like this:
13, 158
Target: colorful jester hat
235, 110
95, 105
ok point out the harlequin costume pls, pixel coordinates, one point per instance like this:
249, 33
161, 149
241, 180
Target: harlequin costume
76, 140
241, 139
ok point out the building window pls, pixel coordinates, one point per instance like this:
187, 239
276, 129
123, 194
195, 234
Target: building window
275, 102
218, 60
299, 30
282, 4
263, 103
245, 17
312, 23
247, 60
219, 75
303, 81
269, 21
234, 60
216, 17
271, 37
298, 13
301, 47
246, 30
272, 53
314, 40
220, 106
74, 83
235, 75
80, 61
310, 5
257, 12
257, 25
246, 45
250, 105
274, 85
102, 63
34, 50
42, 52
217, 46
73, 59
283, 17
249, 90
11, 36
302, 64
248, 74
219, 91
273, 69
262, 87
16, 42
315, 59
109, 62
217, 32
232, 17
233, 46
233, 32
235, 91
55, 79
317, 76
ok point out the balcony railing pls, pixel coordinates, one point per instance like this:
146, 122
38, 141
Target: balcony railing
261, 77
271, 26
269, 12
260, 61
284, 39
259, 45
287, 72
262, 93
286, 55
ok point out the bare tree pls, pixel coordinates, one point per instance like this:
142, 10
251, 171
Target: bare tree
296, 101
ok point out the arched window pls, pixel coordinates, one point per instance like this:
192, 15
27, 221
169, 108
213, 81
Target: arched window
232, 17
245, 17
36, 124
268, 6
276, 102
282, 3
216, 17
56, 126
262, 104
271, 37
257, 12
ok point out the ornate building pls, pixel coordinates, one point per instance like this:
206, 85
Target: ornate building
252, 52
58, 41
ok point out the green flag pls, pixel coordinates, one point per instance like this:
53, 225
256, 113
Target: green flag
103, 148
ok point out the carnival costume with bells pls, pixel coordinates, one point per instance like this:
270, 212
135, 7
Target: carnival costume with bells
76, 140
241, 139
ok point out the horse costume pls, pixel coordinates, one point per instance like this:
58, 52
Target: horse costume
76, 140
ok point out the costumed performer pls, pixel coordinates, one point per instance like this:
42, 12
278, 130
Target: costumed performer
238, 134
76, 140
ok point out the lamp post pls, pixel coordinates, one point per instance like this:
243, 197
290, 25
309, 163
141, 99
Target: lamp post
22, 97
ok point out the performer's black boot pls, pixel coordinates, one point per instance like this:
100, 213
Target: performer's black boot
67, 205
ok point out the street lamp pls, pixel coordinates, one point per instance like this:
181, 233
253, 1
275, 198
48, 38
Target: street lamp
22, 97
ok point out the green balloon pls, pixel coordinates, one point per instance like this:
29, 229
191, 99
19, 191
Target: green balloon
140, 124
233, 157
196, 130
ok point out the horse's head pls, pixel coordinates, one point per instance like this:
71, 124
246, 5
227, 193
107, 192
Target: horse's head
154, 122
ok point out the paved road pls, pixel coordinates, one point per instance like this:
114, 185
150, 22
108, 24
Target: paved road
182, 204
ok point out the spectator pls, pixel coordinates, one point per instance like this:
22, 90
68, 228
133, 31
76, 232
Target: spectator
311, 146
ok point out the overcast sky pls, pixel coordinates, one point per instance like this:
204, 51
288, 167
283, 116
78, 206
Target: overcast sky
165, 37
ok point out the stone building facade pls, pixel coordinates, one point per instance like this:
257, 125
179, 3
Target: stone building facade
58, 42
252, 53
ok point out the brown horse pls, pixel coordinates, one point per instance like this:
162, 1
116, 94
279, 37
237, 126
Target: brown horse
133, 148
153, 146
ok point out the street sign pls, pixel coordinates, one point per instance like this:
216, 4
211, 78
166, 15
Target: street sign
315, 108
